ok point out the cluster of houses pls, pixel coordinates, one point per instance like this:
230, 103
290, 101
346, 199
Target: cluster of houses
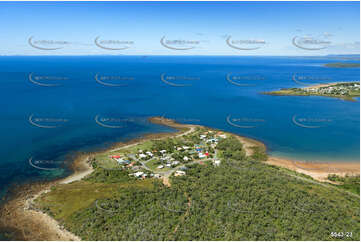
343, 89
208, 142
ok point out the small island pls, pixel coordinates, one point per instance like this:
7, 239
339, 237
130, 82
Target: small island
342, 65
344, 90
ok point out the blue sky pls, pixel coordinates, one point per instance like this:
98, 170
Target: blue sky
256, 28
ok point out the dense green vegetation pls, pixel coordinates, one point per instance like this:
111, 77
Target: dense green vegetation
242, 199
342, 65
231, 148
351, 183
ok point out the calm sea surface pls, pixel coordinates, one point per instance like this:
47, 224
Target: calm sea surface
52, 107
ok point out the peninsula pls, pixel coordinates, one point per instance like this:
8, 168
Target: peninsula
343, 90
196, 184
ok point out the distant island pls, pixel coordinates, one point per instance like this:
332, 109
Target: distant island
342, 65
344, 90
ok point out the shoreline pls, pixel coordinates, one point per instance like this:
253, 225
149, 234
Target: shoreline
32, 224
291, 91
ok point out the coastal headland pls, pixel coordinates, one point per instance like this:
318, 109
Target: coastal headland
25, 219
343, 90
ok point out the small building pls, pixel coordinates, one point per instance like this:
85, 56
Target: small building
163, 151
168, 165
186, 147
122, 161
201, 155
185, 158
138, 174
160, 167
179, 173
142, 156
217, 162
115, 156
223, 136
174, 163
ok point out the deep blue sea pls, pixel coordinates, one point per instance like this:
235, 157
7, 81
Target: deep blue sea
53, 107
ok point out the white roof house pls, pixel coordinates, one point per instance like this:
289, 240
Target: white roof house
160, 167
186, 147
138, 174
202, 136
175, 163
149, 153
180, 173
201, 155
168, 165
185, 158
142, 156
217, 162
163, 151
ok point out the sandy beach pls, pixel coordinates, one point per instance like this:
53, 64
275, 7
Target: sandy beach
32, 224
